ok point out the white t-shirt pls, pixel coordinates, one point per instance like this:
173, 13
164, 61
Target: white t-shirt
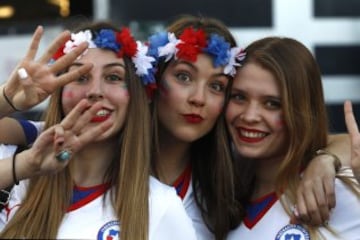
95, 220
273, 223
202, 231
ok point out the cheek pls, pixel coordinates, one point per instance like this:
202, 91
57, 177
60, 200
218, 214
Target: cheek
164, 88
230, 112
172, 93
216, 105
119, 96
279, 122
70, 97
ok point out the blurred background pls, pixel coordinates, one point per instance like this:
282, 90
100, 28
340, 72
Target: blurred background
329, 28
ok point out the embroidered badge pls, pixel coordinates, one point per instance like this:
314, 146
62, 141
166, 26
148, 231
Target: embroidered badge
293, 232
109, 231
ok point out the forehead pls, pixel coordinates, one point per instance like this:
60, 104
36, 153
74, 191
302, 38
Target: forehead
252, 76
100, 57
203, 63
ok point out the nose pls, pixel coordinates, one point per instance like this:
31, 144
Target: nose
95, 91
251, 113
197, 96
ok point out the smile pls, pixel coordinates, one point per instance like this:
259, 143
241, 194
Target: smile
251, 136
101, 115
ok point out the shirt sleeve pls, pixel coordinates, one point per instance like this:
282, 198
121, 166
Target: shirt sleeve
31, 129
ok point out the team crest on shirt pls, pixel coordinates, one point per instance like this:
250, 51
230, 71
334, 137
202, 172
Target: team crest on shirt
109, 231
293, 232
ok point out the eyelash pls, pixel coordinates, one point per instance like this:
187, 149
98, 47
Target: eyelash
181, 75
218, 84
270, 104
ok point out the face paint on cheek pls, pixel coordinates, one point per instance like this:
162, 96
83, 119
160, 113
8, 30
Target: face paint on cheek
280, 121
67, 94
125, 88
164, 88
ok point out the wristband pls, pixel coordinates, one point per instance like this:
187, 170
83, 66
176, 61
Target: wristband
337, 162
9, 101
16, 181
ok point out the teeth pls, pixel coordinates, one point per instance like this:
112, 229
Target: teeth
252, 134
102, 112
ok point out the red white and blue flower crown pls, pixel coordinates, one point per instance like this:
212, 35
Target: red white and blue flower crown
122, 43
165, 45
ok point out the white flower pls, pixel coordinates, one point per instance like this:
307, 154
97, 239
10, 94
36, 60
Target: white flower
169, 50
236, 53
141, 60
77, 38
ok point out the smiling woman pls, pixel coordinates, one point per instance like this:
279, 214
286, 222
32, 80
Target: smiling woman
277, 120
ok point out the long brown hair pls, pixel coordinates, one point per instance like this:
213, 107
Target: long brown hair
299, 79
212, 167
48, 197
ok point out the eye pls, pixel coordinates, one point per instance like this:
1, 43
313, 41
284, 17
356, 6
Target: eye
113, 77
237, 97
183, 77
218, 86
273, 104
83, 79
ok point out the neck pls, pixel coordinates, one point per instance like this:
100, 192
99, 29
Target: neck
266, 174
91, 163
172, 158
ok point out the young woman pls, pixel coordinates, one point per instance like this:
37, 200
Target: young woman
106, 183
277, 120
192, 153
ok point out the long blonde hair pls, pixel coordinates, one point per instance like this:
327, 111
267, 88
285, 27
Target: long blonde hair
48, 197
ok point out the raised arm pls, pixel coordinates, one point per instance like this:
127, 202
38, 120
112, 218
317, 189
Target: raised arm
41, 157
32, 81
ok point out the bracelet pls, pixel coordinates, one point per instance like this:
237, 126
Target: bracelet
16, 181
9, 101
337, 162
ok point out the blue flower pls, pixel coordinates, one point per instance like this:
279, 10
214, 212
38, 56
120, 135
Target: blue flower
149, 78
219, 48
155, 41
106, 39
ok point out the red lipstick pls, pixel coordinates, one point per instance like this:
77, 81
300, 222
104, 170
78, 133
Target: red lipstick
193, 118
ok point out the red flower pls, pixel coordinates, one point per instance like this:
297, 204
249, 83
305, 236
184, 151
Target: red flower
127, 43
150, 90
60, 52
192, 43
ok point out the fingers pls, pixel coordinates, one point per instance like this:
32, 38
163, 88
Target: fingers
350, 119
72, 135
89, 135
34, 45
72, 117
72, 75
85, 118
313, 202
54, 46
329, 187
64, 62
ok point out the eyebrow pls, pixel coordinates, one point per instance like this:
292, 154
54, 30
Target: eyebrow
109, 65
221, 74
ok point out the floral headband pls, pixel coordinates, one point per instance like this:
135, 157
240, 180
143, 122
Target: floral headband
122, 43
193, 42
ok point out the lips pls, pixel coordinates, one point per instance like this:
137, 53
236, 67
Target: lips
250, 135
193, 118
101, 116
